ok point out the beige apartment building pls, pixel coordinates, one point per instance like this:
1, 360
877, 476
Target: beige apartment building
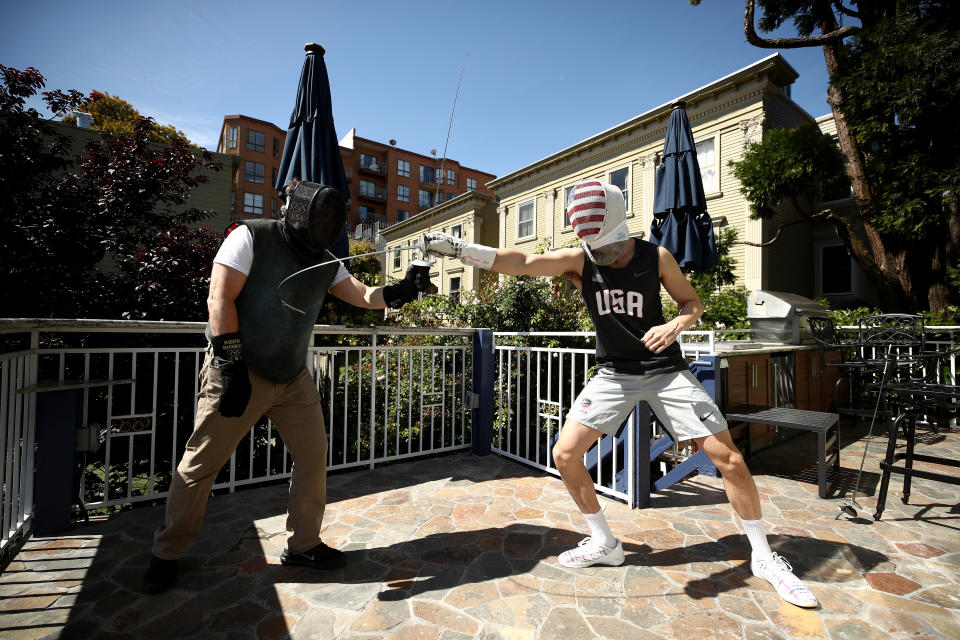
471, 215
725, 116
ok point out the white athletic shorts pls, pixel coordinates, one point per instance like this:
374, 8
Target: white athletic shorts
678, 399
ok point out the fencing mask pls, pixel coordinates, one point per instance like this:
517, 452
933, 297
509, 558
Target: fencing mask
598, 215
314, 219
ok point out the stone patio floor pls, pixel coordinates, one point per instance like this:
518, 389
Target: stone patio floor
465, 547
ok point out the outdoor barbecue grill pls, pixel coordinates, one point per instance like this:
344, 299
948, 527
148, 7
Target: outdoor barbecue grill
781, 317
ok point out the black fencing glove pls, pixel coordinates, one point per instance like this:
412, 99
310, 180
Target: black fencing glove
416, 281
228, 360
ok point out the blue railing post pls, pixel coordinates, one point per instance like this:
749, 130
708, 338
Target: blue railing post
482, 414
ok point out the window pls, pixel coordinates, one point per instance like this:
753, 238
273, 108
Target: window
454, 291
472, 184
836, 270
253, 171
367, 214
276, 147
621, 178
369, 162
425, 198
403, 168
256, 140
368, 188
273, 173
525, 227
456, 231
451, 177
402, 214
253, 203
403, 193
566, 201
707, 159
396, 259
273, 207
427, 174
232, 138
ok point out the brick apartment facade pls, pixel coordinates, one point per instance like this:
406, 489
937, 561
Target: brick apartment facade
259, 145
389, 185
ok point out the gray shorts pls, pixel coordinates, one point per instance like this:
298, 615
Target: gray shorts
678, 399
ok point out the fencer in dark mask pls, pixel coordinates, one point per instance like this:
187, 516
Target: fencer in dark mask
314, 218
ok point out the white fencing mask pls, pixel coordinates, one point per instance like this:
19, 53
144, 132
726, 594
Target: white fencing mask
598, 215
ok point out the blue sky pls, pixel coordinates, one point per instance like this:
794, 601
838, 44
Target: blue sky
540, 76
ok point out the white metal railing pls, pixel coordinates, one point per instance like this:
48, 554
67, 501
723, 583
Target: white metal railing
385, 401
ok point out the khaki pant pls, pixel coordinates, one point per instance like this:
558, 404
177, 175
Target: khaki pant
296, 412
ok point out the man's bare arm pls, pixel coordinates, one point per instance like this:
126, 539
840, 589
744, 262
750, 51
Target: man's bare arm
690, 308
226, 284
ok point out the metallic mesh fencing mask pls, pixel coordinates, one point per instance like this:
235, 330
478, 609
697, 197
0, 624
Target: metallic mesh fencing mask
316, 216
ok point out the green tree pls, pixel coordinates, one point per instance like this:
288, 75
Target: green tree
74, 230
115, 115
894, 91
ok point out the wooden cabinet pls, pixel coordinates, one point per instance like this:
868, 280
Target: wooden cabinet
748, 382
813, 381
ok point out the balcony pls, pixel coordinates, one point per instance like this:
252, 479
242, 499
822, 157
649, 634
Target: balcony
378, 194
377, 168
441, 538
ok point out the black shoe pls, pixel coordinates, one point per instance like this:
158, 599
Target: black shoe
320, 557
160, 575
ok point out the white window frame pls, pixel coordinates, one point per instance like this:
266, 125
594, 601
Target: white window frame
396, 259
716, 161
628, 183
820, 275
533, 220
564, 193
457, 231
454, 292
232, 136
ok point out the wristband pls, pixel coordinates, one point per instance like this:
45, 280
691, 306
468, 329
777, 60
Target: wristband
478, 255
227, 346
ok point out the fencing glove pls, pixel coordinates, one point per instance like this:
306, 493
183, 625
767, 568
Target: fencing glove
437, 243
228, 360
416, 281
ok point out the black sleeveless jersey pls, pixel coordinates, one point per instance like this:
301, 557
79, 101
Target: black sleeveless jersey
624, 303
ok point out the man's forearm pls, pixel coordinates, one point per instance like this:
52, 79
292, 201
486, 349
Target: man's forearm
688, 314
223, 316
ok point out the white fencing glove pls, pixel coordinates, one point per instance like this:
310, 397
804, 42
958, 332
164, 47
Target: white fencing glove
437, 243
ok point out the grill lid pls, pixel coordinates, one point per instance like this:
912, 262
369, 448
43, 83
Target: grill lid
776, 304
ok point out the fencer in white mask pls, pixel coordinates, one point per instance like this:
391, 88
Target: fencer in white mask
638, 359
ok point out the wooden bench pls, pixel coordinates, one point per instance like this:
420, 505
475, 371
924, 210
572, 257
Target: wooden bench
825, 425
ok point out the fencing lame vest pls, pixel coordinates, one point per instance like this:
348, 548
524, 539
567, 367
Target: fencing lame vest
276, 338
624, 303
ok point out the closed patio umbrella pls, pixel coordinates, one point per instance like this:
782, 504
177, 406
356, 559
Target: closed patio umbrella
681, 223
312, 150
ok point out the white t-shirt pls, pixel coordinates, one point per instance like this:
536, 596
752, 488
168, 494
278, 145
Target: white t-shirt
236, 252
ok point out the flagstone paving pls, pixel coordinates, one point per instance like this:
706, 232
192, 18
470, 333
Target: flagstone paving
465, 547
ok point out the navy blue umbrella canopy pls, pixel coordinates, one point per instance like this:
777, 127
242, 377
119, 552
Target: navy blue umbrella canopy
312, 150
681, 223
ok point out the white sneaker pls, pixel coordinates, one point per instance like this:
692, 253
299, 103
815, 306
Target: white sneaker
778, 572
588, 553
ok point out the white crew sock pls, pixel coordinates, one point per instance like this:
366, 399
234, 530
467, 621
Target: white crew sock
599, 529
757, 537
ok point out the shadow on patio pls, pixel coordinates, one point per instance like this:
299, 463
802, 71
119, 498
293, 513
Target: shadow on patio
463, 547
